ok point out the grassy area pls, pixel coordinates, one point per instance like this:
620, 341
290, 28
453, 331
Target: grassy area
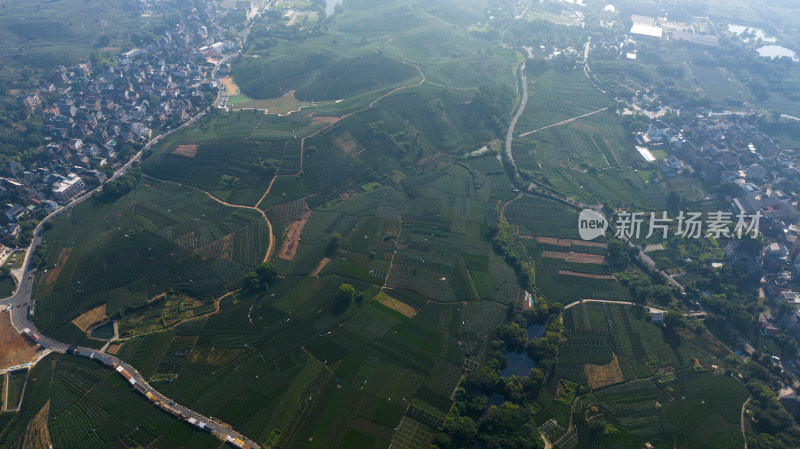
7, 286
281, 105
16, 387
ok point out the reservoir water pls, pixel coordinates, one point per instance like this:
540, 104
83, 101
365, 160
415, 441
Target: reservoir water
775, 51
757, 33
535, 331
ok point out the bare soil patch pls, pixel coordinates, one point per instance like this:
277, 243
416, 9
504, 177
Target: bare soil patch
569, 242
230, 86
653, 247
113, 348
321, 265
86, 320
574, 257
289, 249
186, 150
14, 348
396, 305
587, 275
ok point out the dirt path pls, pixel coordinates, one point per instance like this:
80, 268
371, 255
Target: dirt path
606, 301
563, 122
744, 436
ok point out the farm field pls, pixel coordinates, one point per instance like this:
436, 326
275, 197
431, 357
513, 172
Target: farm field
559, 95
260, 376
402, 263
654, 383
14, 388
564, 272
91, 406
129, 254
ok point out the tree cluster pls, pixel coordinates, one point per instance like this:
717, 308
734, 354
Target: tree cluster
264, 274
510, 424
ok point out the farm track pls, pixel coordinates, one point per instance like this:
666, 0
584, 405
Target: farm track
744, 435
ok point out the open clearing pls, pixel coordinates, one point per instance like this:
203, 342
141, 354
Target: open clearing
14, 349
575, 257
396, 305
230, 86
600, 376
186, 150
289, 249
86, 320
282, 105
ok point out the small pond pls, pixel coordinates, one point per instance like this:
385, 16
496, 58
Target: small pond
535, 331
104, 332
519, 364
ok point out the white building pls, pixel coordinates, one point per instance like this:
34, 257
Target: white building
68, 188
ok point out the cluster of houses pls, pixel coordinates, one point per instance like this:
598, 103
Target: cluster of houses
724, 151
95, 118
762, 177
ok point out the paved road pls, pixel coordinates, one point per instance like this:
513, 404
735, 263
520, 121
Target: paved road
510, 132
647, 260
20, 320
